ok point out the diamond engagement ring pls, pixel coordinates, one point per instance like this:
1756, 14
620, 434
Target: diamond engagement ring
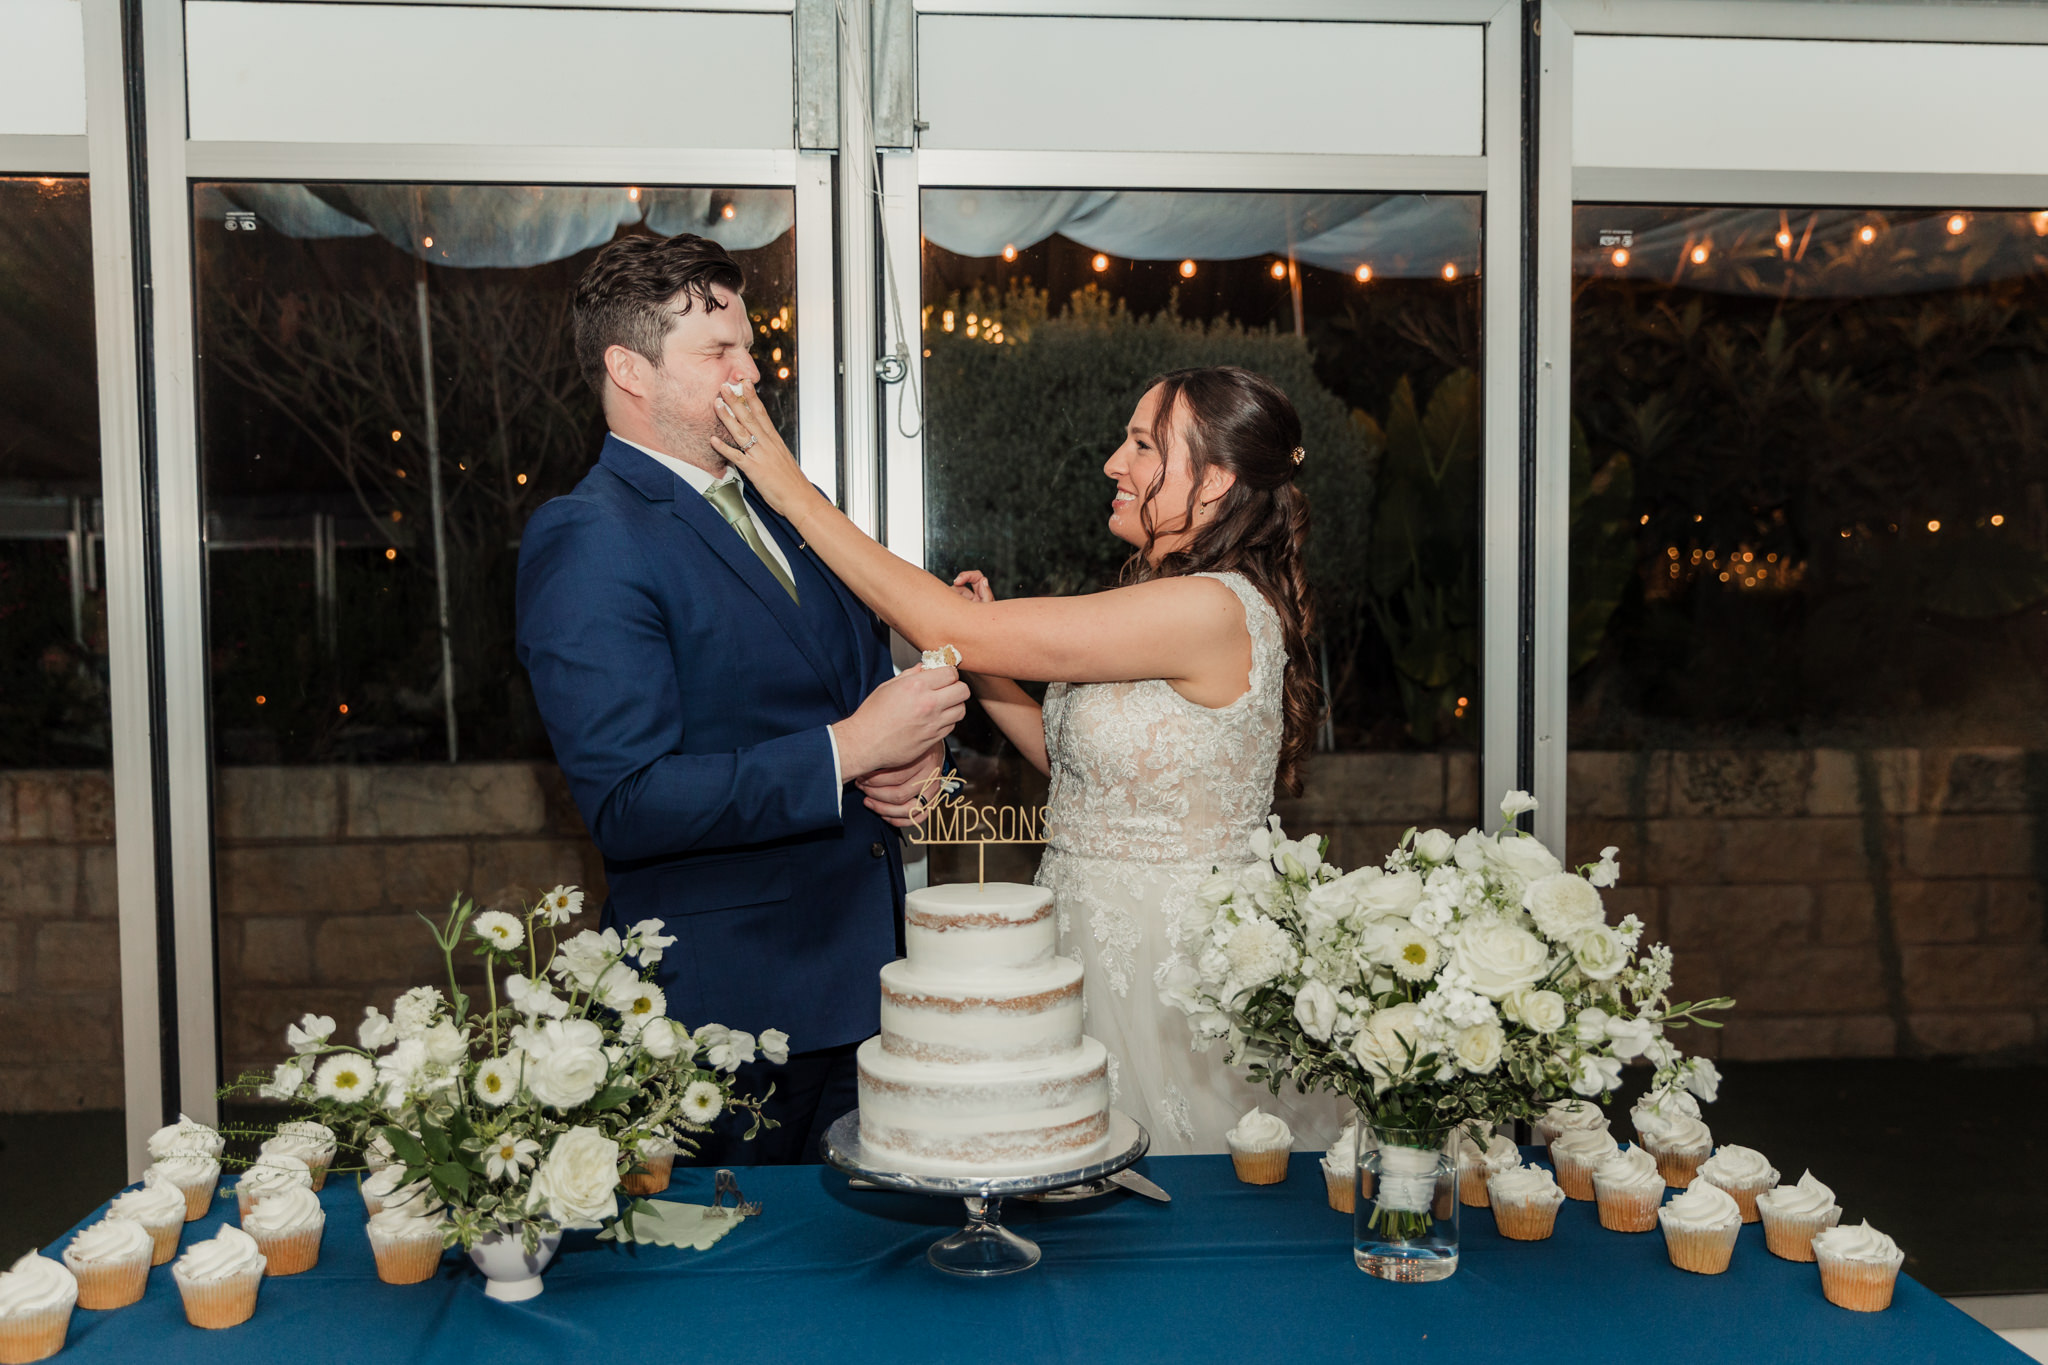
751, 441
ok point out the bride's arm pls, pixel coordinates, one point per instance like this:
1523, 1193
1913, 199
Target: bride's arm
1020, 718
1178, 629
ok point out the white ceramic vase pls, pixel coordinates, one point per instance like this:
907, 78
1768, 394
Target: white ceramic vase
512, 1274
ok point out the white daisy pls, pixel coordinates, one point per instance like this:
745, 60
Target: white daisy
702, 1102
498, 929
1414, 955
562, 904
508, 1156
497, 1079
345, 1077
639, 1005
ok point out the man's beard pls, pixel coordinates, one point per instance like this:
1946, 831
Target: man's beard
684, 434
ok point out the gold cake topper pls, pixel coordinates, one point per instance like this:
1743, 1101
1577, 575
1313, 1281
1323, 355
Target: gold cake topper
947, 818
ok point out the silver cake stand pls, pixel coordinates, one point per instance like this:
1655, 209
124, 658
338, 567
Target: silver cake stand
984, 1247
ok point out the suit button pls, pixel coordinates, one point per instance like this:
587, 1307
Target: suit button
876, 851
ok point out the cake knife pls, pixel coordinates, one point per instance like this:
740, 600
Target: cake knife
1138, 1184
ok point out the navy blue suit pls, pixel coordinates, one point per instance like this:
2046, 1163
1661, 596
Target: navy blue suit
687, 698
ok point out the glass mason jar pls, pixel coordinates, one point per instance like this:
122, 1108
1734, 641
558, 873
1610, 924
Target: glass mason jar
1404, 1220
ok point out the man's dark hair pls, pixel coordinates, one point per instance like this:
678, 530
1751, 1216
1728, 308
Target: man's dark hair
636, 287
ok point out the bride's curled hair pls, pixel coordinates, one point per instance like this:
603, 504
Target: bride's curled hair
1240, 421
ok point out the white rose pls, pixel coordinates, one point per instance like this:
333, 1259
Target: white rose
1499, 957
446, 1044
1397, 893
1564, 905
1434, 846
576, 1181
568, 1063
1525, 857
775, 1046
663, 1038
1315, 1009
1383, 1045
1477, 1049
1542, 1011
1600, 953
584, 956
1329, 904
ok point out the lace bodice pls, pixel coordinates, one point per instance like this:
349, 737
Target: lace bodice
1142, 774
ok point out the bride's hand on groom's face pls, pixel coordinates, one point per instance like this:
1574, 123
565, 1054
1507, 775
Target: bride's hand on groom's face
756, 448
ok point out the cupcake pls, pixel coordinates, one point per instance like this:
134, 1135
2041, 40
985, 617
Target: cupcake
1342, 1167
1794, 1214
657, 1157
1663, 1103
1259, 1146
1743, 1172
1525, 1201
273, 1171
379, 1188
1858, 1267
1476, 1167
110, 1260
186, 1135
312, 1143
36, 1298
1700, 1224
1628, 1186
378, 1154
286, 1226
1577, 1153
1679, 1142
406, 1236
192, 1174
1567, 1116
160, 1209
218, 1278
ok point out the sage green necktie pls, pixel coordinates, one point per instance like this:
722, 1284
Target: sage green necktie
732, 506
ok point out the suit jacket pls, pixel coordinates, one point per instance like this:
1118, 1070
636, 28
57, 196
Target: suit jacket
687, 698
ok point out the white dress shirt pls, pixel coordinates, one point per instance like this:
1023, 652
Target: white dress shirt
703, 482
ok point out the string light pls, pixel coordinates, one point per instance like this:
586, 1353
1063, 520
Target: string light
1620, 257
1866, 234
782, 373
1279, 270
2040, 222
776, 355
1187, 270
46, 180
1997, 520
633, 193
391, 554
426, 241
1956, 223
728, 212
261, 699
1010, 252
1784, 240
1101, 263
401, 473
522, 479
344, 708
1363, 274
1934, 526
1450, 270
1699, 254
1646, 519
396, 434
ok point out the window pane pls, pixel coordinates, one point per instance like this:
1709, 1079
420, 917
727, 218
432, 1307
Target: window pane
1809, 619
344, 804
60, 988
1044, 312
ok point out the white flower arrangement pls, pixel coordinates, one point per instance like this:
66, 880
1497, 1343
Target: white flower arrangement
526, 1115
1463, 982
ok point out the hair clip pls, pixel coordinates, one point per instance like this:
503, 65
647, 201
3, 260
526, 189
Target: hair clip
1299, 454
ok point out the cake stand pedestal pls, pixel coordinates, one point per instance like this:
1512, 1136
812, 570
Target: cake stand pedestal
984, 1247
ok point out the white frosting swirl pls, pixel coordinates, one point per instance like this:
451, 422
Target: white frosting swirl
185, 1168
1679, 1134
1343, 1153
229, 1253
1739, 1168
110, 1239
1524, 1185
1860, 1243
275, 1171
1702, 1207
1260, 1131
412, 1212
307, 1148
1502, 1154
378, 1154
1664, 1102
285, 1212
1808, 1199
1628, 1168
1583, 1146
186, 1135
1573, 1115
382, 1184
155, 1202
307, 1128
35, 1284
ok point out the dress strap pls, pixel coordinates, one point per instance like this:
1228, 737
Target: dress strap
1269, 651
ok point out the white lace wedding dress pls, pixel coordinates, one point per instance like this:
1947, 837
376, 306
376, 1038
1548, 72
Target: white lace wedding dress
1150, 792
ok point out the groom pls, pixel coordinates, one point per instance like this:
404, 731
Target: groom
713, 691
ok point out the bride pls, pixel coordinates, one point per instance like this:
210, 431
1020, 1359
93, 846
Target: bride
1176, 702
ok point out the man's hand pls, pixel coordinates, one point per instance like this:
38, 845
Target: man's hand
894, 793
900, 722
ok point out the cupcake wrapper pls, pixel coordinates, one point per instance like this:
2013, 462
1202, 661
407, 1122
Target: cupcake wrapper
220, 1303
198, 1199
1677, 1168
1530, 1221
1744, 1196
1859, 1286
1628, 1210
111, 1284
1792, 1238
26, 1337
652, 1180
319, 1172
165, 1235
407, 1261
1704, 1251
1260, 1168
1342, 1189
1574, 1178
1472, 1187
291, 1252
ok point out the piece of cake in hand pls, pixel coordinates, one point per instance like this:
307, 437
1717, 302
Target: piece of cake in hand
218, 1279
160, 1208
1628, 1186
1678, 1141
110, 1260
1525, 1201
1859, 1267
287, 1226
1476, 1166
1793, 1215
37, 1295
1700, 1224
1743, 1172
272, 1172
1577, 1153
1343, 1166
195, 1176
1259, 1145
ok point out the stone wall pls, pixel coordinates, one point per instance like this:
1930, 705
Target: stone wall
1881, 904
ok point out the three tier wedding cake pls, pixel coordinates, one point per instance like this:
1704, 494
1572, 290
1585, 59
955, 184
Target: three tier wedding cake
981, 1067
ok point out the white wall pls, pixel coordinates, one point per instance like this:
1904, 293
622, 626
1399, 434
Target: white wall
42, 89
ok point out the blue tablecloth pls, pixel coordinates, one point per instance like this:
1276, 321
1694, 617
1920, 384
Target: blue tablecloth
1228, 1272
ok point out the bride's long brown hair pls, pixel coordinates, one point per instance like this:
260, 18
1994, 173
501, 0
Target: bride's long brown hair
1240, 421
